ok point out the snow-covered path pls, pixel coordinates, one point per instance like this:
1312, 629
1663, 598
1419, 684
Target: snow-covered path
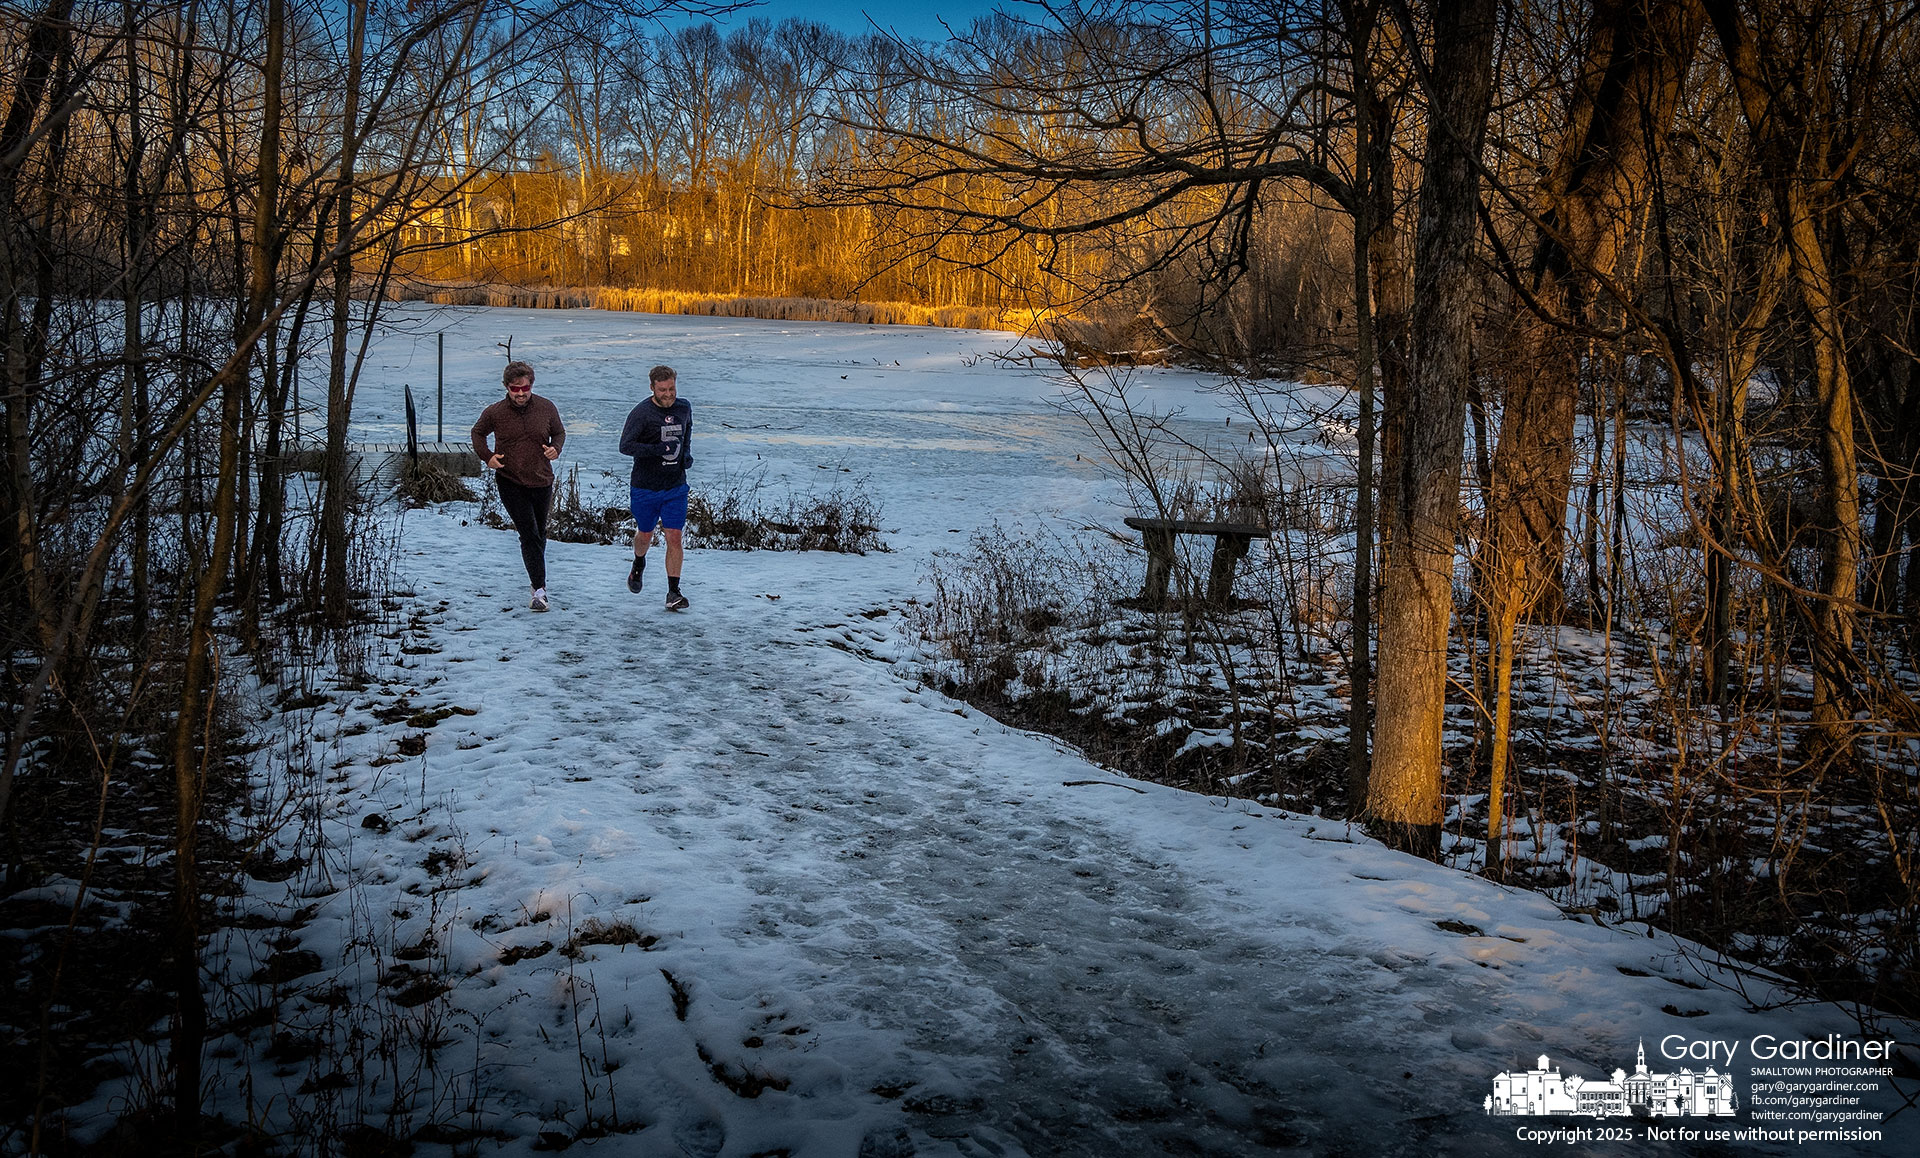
890, 925
958, 922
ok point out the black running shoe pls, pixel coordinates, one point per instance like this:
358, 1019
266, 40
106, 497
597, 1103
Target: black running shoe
633, 576
677, 602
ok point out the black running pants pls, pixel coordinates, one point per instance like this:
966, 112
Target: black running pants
528, 507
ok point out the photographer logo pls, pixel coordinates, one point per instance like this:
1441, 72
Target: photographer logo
1544, 1090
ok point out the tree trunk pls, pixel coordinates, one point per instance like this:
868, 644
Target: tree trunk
26, 264
192, 738
1840, 475
1392, 285
263, 259
338, 487
1372, 121
134, 402
1404, 794
263, 568
193, 729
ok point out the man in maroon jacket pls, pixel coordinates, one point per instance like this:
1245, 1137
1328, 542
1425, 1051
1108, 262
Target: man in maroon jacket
527, 436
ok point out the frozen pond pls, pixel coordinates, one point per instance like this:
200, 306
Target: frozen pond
804, 402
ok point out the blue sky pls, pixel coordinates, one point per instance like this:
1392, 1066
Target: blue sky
910, 18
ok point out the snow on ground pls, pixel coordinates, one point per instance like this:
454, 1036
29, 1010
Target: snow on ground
863, 920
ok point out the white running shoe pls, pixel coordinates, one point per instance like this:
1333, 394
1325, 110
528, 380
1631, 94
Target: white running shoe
539, 602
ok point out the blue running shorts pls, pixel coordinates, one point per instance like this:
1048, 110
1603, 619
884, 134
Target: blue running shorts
668, 508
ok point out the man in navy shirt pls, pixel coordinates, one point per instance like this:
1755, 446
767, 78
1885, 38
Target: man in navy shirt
658, 437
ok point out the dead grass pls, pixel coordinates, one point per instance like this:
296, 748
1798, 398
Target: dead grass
594, 931
659, 301
735, 513
427, 482
577, 518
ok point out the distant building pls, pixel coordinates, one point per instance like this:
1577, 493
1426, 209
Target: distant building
1544, 1090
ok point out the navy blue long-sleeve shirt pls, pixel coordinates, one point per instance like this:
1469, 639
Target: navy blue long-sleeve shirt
660, 443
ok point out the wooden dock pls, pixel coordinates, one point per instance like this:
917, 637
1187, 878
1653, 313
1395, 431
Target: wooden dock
380, 463
377, 465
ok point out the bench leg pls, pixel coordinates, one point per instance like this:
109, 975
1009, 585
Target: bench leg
1228, 550
1159, 566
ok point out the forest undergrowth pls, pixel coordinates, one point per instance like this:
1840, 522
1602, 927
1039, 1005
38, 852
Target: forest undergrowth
88, 942
89, 936
87, 926
1629, 801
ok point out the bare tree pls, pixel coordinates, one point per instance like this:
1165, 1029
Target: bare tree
1785, 63
1628, 78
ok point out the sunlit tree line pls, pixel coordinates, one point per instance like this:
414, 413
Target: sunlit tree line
684, 157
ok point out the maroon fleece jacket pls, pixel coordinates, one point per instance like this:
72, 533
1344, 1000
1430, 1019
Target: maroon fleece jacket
519, 433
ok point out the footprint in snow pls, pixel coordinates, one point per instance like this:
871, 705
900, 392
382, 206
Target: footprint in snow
700, 1139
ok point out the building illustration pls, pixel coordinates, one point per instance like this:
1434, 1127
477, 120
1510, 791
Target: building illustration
1544, 1090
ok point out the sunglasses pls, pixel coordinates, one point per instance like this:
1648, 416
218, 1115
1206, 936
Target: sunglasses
519, 389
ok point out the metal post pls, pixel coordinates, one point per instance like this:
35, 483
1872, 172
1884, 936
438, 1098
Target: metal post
413, 430
440, 393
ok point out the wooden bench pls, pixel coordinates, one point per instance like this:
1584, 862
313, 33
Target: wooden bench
1230, 544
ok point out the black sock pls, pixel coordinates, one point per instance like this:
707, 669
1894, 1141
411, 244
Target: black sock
673, 584
639, 562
